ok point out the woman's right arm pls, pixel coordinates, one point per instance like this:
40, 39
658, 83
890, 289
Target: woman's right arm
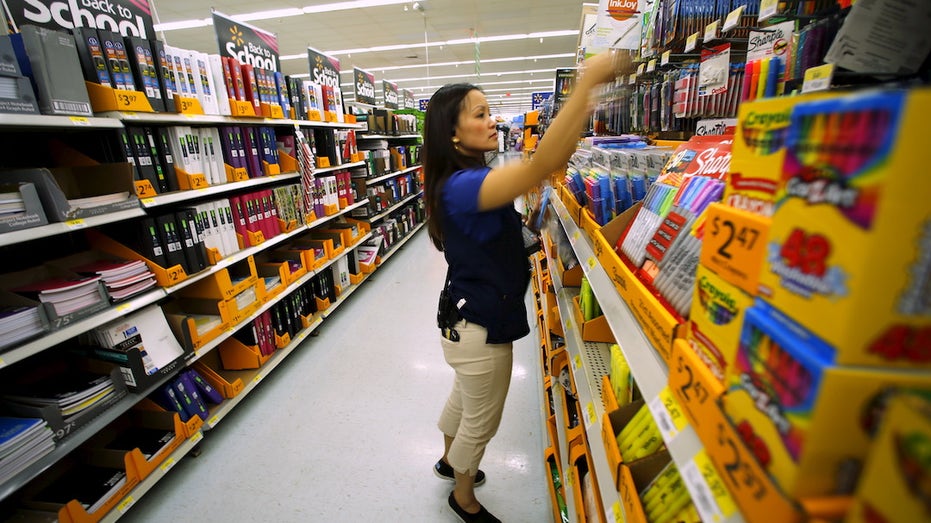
503, 184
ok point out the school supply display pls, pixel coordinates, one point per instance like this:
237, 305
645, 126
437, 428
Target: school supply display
640, 437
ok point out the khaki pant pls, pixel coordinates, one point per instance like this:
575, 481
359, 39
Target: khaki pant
473, 411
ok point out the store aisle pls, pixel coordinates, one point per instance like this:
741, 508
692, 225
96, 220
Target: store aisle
345, 429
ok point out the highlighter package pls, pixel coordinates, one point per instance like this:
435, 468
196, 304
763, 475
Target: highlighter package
809, 423
849, 247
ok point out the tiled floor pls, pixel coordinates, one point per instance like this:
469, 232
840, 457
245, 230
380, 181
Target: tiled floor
345, 429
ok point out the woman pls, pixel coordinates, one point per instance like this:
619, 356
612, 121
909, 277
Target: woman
473, 221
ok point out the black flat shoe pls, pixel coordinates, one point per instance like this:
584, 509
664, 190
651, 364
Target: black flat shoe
482, 516
444, 470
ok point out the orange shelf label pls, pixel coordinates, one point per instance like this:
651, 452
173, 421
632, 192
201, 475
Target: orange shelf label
187, 105
734, 246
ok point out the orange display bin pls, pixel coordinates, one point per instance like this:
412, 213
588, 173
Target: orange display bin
228, 388
596, 329
235, 355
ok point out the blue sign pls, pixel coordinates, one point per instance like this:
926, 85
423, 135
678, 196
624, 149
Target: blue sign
537, 99
422, 103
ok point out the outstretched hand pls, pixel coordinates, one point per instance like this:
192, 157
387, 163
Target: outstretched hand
605, 67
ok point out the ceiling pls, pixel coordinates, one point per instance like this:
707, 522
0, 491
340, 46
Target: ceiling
509, 69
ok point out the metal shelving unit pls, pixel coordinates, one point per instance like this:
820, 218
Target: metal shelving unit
207, 119
362, 136
388, 176
646, 366
182, 196
61, 122
53, 229
394, 207
321, 170
395, 248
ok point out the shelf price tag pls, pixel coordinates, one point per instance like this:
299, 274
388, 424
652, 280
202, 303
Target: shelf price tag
196, 437
632, 80
669, 416
615, 513
167, 464
591, 415
733, 18
577, 361
768, 8
147, 201
735, 244
713, 501
711, 31
664, 59
80, 120
124, 505
591, 262
575, 236
73, 225
640, 69
691, 42
818, 78
2, 363
214, 420
175, 274
651, 65
258, 377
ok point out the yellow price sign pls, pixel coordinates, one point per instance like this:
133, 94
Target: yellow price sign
651, 65
592, 415
2, 363
124, 505
616, 514
79, 120
591, 262
735, 245
577, 361
148, 201
722, 498
214, 420
691, 42
167, 464
196, 437
733, 18
664, 59
711, 31
257, 378
768, 8
633, 79
641, 68
76, 224
818, 78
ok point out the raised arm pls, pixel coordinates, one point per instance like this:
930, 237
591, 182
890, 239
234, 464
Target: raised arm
503, 184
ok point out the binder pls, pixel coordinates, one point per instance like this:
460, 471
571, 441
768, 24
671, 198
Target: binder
220, 86
250, 145
167, 398
228, 78
90, 52
196, 227
190, 243
251, 88
147, 170
142, 66
170, 237
164, 184
203, 387
129, 155
165, 158
190, 400
163, 71
151, 242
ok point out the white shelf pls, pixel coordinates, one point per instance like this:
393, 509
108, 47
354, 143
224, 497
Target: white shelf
33, 347
394, 207
58, 122
346, 210
206, 119
75, 439
181, 196
386, 136
388, 176
400, 243
52, 229
563, 466
322, 170
646, 366
145, 485
345, 295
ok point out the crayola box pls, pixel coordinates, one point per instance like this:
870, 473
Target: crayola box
849, 247
758, 152
808, 422
716, 318
896, 481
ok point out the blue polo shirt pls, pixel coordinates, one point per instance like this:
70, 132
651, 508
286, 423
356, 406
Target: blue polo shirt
488, 266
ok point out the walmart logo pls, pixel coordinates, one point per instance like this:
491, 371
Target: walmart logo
236, 36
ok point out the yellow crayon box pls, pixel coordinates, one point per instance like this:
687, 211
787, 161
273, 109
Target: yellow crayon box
808, 422
758, 153
716, 319
896, 481
849, 246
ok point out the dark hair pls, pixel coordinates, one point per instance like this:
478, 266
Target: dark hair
439, 157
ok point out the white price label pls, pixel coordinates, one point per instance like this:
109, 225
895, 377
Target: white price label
818, 78
768, 8
711, 31
664, 59
80, 120
691, 42
214, 420
663, 420
147, 201
615, 513
633, 79
2, 363
641, 68
196, 437
577, 361
733, 18
651, 65
257, 378
591, 415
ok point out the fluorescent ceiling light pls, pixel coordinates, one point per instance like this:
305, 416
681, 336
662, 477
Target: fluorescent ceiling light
483, 84
355, 4
446, 64
298, 57
280, 13
498, 38
184, 24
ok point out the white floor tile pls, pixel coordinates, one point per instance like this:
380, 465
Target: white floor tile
344, 429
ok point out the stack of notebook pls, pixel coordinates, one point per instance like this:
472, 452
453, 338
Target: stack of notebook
123, 279
65, 295
18, 323
23, 441
72, 393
